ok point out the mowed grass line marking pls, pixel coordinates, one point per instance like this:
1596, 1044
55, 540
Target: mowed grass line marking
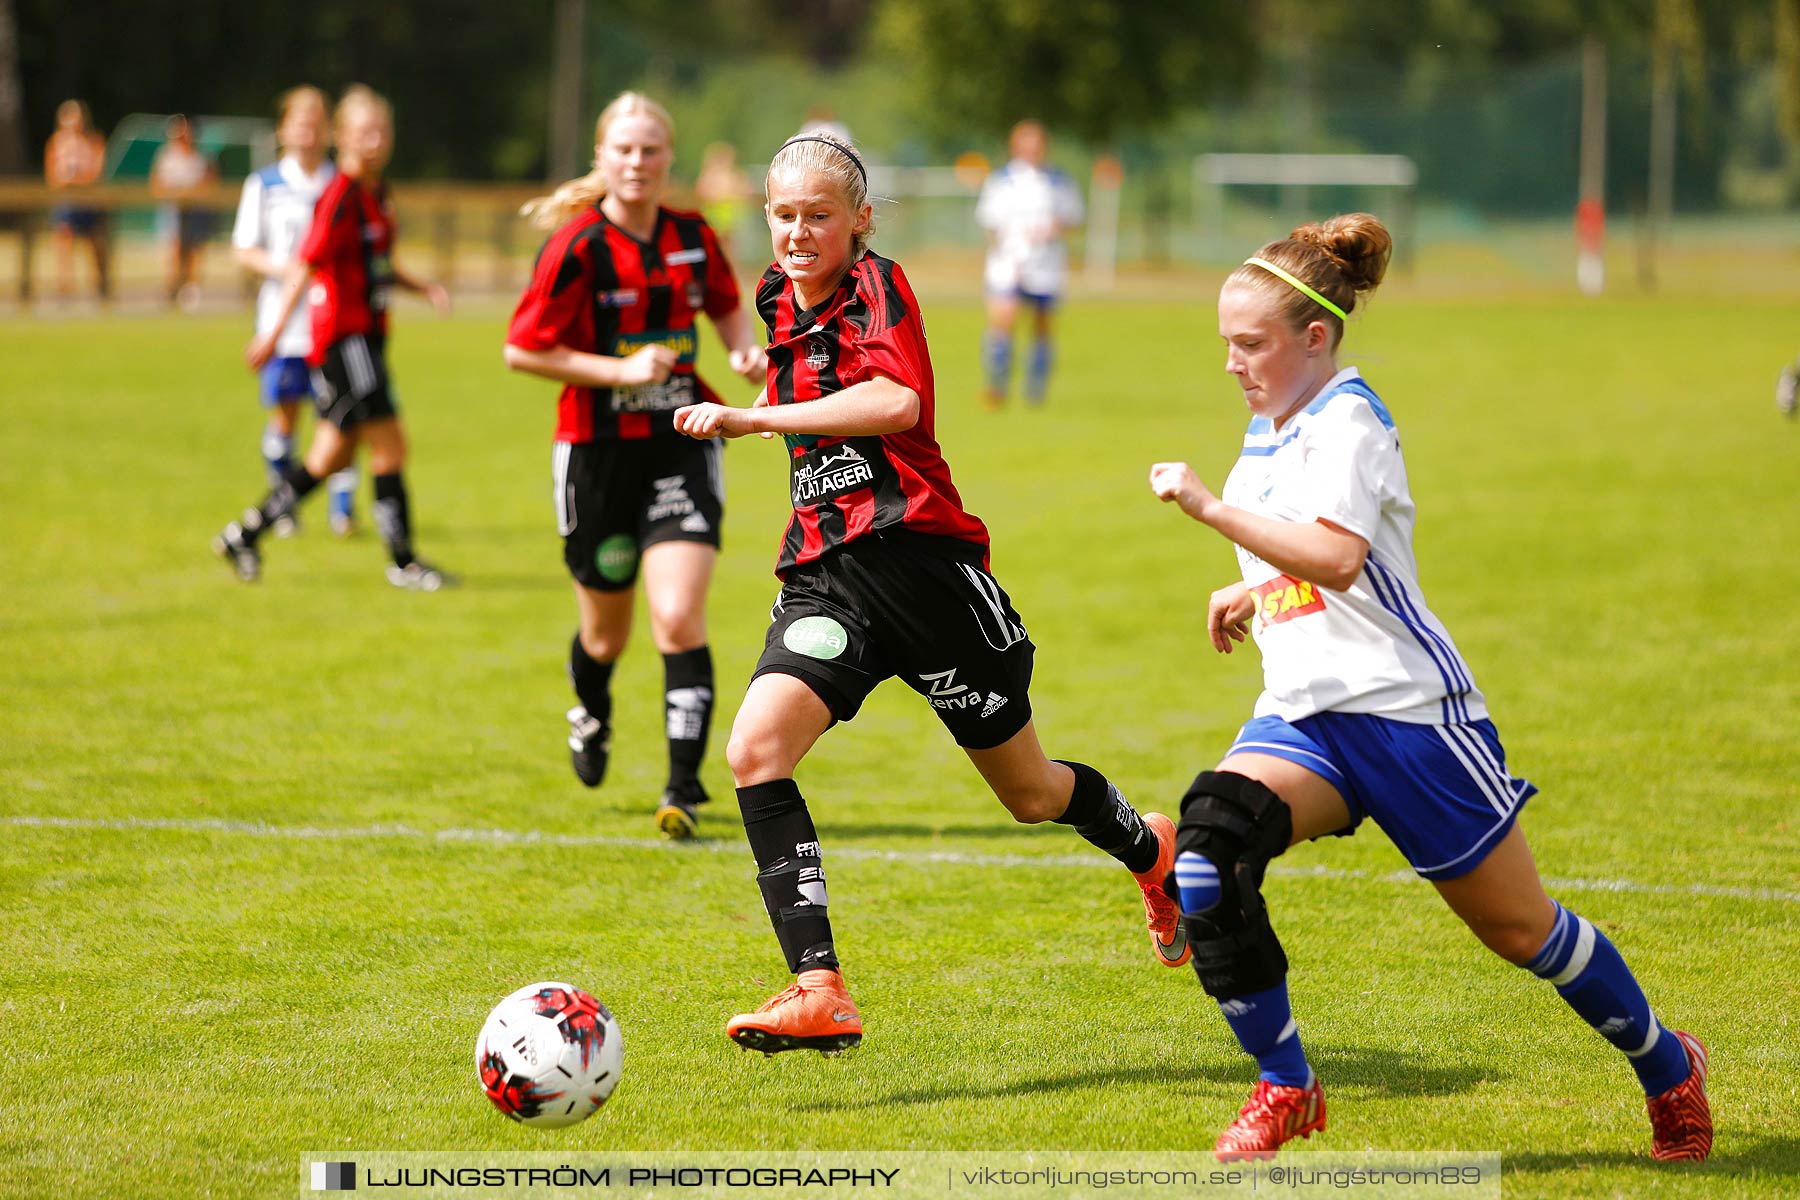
532, 837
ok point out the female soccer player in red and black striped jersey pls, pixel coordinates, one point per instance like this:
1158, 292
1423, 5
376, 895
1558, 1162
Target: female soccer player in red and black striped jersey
610, 313
883, 573
348, 256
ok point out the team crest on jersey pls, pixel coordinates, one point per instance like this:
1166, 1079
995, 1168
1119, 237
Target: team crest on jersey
818, 354
1283, 598
695, 296
617, 298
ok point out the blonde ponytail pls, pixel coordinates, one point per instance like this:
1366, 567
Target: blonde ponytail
547, 212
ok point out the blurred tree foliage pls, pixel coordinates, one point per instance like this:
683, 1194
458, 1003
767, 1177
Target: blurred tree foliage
1470, 87
1093, 67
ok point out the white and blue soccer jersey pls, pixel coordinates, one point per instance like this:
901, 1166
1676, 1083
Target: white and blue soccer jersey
1021, 205
275, 212
1374, 648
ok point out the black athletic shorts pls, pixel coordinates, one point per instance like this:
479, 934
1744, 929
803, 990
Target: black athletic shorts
615, 497
913, 605
351, 386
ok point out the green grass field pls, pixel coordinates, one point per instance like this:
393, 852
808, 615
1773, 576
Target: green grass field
268, 854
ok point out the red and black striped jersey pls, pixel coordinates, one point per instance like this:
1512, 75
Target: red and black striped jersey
350, 247
845, 487
599, 290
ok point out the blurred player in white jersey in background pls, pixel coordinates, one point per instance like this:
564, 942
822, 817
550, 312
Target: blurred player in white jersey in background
272, 219
1026, 208
1786, 389
75, 158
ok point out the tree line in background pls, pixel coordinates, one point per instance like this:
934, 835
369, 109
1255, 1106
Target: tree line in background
1471, 87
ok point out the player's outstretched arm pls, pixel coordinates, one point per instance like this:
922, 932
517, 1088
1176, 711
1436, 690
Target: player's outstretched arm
258, 261
1318, 552
434, 292
742, 349
647, 364
874, 406
293, 282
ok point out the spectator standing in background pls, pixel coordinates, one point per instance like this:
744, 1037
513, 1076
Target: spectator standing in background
74, 158
724, 193
178, 174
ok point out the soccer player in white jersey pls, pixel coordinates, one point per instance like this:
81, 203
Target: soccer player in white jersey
1027, 208
1367, 710
272, 218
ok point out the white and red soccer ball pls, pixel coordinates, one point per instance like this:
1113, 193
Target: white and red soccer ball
549, 1055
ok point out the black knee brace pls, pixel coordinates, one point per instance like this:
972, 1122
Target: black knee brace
1239, 825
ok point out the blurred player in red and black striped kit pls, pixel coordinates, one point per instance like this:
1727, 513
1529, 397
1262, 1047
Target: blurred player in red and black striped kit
348, 256
610, 314
883, 573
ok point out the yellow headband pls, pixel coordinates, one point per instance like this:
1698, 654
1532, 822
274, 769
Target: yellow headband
1300, 287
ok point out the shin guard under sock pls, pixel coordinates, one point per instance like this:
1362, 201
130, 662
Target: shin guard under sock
592, 680
1104, 817
687, 707
789, 872
282, 500
393, 520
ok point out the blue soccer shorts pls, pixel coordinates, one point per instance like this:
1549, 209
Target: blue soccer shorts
1441, 792
284, 379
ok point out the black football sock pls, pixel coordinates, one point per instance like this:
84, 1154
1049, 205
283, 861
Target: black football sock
789, 872
687, 703
282, 499
392, 520
1104, 817
592, 680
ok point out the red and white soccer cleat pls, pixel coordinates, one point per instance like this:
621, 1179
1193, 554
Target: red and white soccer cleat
1681, 1118
1274, 1114
1167, 937
816, 1013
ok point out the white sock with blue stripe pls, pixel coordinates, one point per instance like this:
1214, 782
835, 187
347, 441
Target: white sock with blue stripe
342, 487
277, 452
1587, 971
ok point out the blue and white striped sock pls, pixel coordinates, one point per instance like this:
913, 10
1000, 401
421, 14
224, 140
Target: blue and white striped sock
1264, 1025
1588, 972
1037, 370
1196, 883
996, 359
277, 453
342, 487
1263, 1021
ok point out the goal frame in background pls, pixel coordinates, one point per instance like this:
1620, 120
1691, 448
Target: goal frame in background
1213, 174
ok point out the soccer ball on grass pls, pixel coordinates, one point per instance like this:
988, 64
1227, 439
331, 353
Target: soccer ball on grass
549, 1055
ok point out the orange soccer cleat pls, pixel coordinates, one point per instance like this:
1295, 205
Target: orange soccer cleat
1274, 1114
816, 1013
1681, 1118
1167, 937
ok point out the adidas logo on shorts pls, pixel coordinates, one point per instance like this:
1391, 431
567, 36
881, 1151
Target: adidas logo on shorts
995, 701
